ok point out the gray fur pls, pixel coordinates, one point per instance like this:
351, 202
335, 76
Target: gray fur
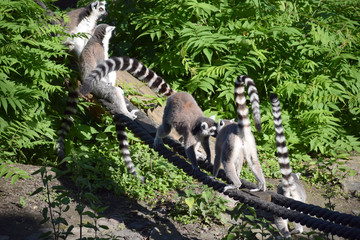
94, 52
183, 113
108, 94
235, 141
290, 184
83, 20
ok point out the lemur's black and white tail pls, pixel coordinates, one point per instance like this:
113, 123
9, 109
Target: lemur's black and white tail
132, 66
124, 147
67, 121
135, 68
242, 110
240, 99
288, 181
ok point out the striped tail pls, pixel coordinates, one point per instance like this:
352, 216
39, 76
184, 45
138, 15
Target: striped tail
254, 99
124, 147
124, 63
241, 108
67, 121
283, 155
131, 65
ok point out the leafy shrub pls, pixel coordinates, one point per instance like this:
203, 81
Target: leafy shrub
29, 78
204, 207
249, 226
96, 162
306, 51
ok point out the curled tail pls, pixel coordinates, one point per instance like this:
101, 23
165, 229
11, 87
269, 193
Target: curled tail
67, 121
254, 98
131, 65
288, 182
249, 144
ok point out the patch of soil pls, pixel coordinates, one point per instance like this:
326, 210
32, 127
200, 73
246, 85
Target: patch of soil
125, 218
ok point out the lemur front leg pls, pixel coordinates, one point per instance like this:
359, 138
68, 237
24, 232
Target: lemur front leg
206, 146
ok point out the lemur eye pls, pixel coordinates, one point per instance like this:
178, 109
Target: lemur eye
101, 9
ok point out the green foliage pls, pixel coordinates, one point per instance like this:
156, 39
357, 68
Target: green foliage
96, 161
249, 227
306, 51
29, 75
58, 203
58, 199
204, 207
8, 171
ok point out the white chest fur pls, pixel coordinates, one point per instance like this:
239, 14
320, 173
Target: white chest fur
87, 26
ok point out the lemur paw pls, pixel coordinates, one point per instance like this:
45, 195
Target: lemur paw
229, 187
255, 190
200, 156
258, 189
297, 230
261, 187
133, 115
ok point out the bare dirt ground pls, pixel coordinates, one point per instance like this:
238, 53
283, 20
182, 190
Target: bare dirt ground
126, 218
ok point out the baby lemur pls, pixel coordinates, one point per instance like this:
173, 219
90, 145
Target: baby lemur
236, 141
290, 184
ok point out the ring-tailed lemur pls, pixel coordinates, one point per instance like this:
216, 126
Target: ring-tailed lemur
183, 113
290, 184
93, 83
236, 141
83, 20
94, 53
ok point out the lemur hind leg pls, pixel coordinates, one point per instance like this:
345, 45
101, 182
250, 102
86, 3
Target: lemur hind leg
163, 130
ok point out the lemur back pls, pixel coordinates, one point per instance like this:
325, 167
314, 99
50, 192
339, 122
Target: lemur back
236, 141
83, 20
290, 184
96, 51
92, 83
184, 115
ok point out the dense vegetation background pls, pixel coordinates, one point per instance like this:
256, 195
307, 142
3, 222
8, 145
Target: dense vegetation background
306, 51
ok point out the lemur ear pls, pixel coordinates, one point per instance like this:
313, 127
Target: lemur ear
95, 4
204, 125
212, 117
232, 120
110, 28
221, 123
298, 175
